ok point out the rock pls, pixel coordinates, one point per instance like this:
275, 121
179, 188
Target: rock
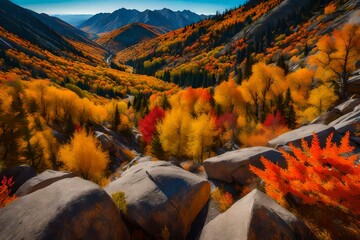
348, 106
105, 141
20, 175
256, 216
159, 194
352, 125
234, 166
347, 117
71, 208
41, 181
328, 117
354, 84
306, 133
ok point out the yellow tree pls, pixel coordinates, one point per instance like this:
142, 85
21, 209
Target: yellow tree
174, 132
337, 56
201, 136
265, 84
228, 95
84, 156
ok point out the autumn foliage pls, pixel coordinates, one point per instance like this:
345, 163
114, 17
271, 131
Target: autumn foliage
5, 197
147, 125
223, 198
84, 156
316, 175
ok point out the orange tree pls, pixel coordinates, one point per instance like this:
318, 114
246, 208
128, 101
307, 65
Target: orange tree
316, 175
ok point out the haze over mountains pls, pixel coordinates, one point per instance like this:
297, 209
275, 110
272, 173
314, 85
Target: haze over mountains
166, 18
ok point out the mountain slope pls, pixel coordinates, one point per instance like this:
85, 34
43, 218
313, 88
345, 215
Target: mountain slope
228, 44
129, 35
64, 28
21, 22
106, 22
76, 37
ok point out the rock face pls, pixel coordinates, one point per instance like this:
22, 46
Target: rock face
41, 181
256, 216
328, 117
20, 175
159, 194
67, 209
306, 133
234, 165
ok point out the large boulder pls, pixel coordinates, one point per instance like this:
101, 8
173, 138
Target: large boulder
105, 141
160, 194
71, 208
348, 106
351, 125
19, 175
42, 180
354, 84
253, 217
234, 165
347, 117
306, 133
328, 117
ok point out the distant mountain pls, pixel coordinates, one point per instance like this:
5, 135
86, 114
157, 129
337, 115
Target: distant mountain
64, 28
128, 35
73, 19
24, 24
166, 18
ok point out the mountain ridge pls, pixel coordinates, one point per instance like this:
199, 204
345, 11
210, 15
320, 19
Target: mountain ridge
106, 22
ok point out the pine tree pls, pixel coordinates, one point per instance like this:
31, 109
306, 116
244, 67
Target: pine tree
156, 147
289, 112
116, 120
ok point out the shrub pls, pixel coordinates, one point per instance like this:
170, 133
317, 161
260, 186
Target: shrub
5, 197
316, 175
119, 200
223, 199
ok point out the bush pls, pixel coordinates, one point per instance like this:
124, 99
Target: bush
316, 175
223, 199
119, 200
5, 197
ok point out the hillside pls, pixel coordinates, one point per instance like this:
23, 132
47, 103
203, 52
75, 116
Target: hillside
219, 47
21, 22
128, 35
165, 18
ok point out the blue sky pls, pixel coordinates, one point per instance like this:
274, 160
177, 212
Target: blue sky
96, 6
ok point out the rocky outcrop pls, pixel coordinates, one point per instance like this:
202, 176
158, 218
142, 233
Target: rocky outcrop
19, 175
253, 217
67, 209
41, 181
306, 133
160, 194
234, 165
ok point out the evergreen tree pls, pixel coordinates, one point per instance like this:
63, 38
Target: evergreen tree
116, 120
156, 147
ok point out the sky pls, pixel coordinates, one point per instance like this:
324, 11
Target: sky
96, 6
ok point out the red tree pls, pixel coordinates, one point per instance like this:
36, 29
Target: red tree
147, 125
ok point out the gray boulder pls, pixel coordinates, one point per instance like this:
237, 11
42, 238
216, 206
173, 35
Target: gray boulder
253, 217
68, 209
347, 117
351, 125
328, 117
105, 141
42, 180
306, 133
19, 174
348, 106
234, 165
160, 194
